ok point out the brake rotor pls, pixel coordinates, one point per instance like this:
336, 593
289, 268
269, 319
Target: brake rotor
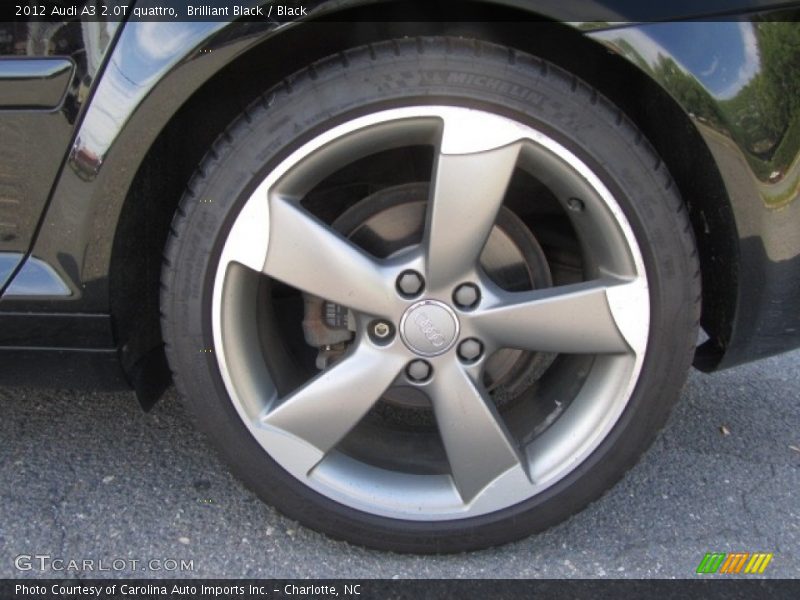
392, 220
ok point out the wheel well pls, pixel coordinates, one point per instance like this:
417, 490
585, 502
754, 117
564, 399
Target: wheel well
162, 176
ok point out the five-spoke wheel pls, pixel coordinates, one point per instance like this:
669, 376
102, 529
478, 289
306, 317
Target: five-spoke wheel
443, 314
448, 315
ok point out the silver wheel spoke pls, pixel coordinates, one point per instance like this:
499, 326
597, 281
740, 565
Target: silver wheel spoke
324, 410
578, 319
479, 447
306, 254
248, 239
468, 189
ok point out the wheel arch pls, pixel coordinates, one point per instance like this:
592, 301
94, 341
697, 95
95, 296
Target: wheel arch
161, 174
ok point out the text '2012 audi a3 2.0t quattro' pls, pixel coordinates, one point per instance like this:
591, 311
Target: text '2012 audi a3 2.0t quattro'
429, 275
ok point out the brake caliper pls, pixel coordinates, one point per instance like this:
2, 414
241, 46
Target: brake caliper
327, 326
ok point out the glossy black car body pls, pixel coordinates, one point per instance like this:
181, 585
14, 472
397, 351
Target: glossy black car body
103, 122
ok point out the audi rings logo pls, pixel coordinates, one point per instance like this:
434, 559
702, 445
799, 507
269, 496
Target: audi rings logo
429, 330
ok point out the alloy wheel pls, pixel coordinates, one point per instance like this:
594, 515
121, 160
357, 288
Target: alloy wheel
430, 317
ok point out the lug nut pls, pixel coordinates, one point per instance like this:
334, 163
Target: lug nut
410, 283
418, 370
470, 350
467, 296
380, 332
381, 329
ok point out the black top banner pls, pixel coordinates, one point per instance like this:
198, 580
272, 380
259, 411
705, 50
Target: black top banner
604, 12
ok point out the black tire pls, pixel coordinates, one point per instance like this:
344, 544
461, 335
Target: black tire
397, 73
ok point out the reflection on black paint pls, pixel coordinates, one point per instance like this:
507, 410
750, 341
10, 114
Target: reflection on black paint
743, 81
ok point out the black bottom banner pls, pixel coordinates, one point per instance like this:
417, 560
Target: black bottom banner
367, 589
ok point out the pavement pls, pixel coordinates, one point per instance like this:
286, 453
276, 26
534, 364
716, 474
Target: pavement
88, 476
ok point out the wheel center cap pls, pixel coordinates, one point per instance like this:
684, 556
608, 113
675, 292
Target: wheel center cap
429, 328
